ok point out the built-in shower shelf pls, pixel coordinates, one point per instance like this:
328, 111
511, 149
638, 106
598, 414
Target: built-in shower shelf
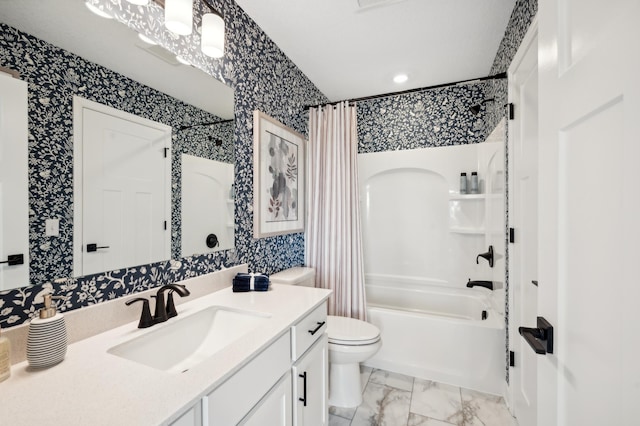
467, 196
465, 230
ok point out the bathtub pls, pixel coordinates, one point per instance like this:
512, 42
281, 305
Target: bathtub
434, 331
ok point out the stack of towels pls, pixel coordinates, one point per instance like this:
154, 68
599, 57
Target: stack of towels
250, 282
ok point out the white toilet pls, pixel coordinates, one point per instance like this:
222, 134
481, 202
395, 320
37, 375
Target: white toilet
351, 342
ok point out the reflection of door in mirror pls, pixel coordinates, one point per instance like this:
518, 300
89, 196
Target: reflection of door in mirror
207, 205
14, 227
121, 201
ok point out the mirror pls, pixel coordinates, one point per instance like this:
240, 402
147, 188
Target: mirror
156, 87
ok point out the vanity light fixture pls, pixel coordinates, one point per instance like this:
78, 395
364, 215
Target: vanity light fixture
178, 16
212, 35
400, 78
97, 10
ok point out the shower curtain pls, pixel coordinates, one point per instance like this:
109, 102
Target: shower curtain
334, 240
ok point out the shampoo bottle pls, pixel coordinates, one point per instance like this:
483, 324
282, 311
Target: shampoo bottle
5, 358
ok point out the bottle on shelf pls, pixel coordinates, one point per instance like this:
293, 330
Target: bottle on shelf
474, 183
463, 183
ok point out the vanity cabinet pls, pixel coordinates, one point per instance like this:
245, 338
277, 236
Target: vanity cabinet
310, 374
286, 384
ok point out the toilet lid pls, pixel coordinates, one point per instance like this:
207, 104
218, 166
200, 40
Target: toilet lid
350, 331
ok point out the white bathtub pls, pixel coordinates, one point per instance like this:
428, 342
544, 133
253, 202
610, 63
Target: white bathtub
436, 332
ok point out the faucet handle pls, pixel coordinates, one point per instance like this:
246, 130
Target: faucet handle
145, 318
171, 306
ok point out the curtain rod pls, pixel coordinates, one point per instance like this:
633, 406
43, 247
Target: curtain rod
204, 124
419, 89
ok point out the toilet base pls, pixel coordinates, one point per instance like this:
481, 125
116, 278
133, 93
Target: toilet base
344, 385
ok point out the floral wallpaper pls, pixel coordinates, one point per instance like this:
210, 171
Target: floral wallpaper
437, 117
262, 77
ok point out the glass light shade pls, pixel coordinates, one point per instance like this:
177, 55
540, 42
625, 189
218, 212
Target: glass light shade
178, 16
97, 10
212, 35
139, 2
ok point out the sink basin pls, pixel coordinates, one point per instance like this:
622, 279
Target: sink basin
184, 342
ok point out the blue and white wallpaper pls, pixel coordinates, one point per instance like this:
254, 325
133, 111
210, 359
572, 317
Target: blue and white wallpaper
262, 78
438, 117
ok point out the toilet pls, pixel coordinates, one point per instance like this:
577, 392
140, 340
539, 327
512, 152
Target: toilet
351, 341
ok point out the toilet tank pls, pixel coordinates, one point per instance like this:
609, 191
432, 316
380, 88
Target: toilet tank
299, 275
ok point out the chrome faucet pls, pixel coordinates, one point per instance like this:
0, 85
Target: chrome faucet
163, 311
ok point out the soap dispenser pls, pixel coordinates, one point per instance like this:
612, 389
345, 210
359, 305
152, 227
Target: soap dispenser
47, 339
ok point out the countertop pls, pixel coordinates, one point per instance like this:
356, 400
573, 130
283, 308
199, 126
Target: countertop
93, 387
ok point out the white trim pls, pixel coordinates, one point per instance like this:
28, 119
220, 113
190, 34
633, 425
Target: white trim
80, 104
530, 37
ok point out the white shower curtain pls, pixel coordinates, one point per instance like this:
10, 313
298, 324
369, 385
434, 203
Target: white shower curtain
334, 239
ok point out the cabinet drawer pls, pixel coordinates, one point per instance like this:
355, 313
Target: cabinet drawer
232, 400
308, 330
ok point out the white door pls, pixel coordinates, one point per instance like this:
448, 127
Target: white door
14, 208
207, 208
523, 212
589, 217
275, 408
125, 190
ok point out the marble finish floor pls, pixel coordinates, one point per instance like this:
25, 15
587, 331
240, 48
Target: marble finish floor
391, 399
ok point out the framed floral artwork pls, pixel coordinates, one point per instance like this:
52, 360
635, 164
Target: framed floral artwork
278, 178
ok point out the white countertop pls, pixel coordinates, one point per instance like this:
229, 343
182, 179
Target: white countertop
93, 387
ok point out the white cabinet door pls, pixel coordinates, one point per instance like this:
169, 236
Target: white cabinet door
275, 408
310, 378
193, 417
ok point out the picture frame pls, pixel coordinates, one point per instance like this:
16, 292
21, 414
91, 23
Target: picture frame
278, 178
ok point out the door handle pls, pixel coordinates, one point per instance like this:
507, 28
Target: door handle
94, 247
541, 338
14, 259
303, 376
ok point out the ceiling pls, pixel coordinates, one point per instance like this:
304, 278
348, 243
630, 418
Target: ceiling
354, 48
69, 24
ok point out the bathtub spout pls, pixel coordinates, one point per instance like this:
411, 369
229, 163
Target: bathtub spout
488, 255
485, 284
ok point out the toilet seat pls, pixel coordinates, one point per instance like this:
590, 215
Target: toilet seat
351, 332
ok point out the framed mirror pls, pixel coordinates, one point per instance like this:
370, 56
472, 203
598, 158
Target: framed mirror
62, 51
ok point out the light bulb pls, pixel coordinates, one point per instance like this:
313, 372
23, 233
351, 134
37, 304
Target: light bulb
96, 10
146, 39
212, 35
178, 16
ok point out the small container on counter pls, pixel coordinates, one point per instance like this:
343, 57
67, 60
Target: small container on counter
47, 338
5, 358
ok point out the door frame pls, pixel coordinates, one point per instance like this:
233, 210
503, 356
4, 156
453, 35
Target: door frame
79, 105
530, 37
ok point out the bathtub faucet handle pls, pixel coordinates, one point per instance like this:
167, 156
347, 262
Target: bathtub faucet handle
488, 255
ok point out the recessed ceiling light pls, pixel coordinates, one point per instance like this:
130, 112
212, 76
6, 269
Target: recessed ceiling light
146, 39
400, 78
182, 60
97, 11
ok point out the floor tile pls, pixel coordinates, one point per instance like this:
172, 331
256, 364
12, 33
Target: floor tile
487, 409
382, 406
346, 413
436, 400
338, 421
418, 420
395, 380
365, 374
